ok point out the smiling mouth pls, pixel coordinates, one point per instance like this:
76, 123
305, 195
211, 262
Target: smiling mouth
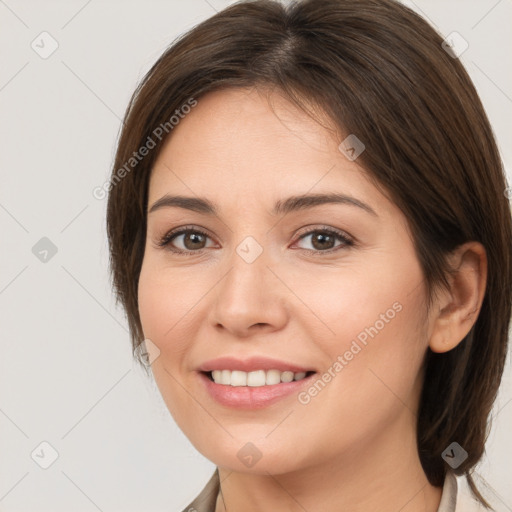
257, 378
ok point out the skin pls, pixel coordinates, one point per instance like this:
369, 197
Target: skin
353, 446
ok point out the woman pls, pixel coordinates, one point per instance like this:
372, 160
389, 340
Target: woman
310, 234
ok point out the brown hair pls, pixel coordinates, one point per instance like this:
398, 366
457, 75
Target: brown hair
377, 70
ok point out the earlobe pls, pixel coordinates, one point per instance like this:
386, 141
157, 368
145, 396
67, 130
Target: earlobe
456, 309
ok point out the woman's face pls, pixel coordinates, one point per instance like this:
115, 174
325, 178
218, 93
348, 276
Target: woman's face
318, 286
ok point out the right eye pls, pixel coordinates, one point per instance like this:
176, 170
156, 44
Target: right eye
192, 238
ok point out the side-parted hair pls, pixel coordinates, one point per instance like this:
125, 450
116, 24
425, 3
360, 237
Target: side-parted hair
377, 70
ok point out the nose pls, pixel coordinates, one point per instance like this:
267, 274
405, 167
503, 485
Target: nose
250, 298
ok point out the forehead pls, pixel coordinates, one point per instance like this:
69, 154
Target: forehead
234, 124
240, 146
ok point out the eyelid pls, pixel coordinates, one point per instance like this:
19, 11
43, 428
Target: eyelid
322, 227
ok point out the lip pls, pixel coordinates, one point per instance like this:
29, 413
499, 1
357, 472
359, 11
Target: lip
247, 397
252, 364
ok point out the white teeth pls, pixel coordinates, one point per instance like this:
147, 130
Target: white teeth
225, 377
238, 378
286, 376
256, 378
273, 377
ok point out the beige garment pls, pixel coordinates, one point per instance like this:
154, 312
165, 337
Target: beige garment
456, 496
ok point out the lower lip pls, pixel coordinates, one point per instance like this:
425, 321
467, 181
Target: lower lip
247, 397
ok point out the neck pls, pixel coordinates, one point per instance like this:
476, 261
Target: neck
382, 474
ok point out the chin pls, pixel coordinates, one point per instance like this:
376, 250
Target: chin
260, 456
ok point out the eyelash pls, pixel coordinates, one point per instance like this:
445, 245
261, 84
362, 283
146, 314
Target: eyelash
168, 237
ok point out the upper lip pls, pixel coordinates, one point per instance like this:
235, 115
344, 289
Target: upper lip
251, 364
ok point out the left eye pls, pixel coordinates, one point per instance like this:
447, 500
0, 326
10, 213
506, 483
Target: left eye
323, 240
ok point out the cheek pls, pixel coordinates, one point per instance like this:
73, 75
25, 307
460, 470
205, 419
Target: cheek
379, 345
165, 299
373, 312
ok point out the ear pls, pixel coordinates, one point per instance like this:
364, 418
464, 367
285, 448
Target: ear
457, 309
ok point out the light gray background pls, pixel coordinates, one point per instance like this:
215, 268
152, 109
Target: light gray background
66, 374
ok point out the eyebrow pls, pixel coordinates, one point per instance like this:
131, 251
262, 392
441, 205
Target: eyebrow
283, 206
